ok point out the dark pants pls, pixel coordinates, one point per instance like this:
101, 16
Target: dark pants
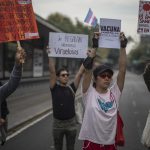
3, 130
64, 128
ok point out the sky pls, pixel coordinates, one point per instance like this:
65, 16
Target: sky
125, 10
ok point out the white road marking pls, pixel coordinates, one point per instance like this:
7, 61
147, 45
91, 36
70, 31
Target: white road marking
27, 126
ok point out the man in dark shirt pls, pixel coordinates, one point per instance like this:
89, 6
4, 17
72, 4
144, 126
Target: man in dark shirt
63, 97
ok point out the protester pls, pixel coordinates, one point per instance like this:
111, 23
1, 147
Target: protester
101, 102
63, 100
146, 75
145, 139
4, 113
7, 89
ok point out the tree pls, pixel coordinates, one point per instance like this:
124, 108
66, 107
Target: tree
62, 22
65, 24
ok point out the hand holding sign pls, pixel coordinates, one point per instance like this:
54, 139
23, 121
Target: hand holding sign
95, 39
91, 53
2, 121
48, 50
20, 55
123, 40
88, 62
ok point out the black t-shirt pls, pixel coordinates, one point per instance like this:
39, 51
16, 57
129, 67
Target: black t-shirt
63, 101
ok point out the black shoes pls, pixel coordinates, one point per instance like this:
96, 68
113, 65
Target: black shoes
3, 142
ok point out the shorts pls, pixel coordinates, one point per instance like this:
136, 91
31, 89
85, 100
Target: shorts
87, 145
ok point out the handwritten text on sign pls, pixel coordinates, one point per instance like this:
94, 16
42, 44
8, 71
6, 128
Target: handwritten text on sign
17, 20
144, 18
68, 45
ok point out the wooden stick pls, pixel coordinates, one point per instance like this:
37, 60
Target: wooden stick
19, 45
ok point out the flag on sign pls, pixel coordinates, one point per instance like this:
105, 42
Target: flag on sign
90, 18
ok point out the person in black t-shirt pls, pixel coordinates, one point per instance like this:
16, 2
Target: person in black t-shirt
63, 96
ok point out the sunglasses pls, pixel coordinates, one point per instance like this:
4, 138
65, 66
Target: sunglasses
104, 75
65, 74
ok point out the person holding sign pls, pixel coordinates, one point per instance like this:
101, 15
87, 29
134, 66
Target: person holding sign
145, 139
101, 102
9, 87
146, 75
4, 113
63, 100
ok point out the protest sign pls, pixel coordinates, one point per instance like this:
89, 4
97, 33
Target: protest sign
110, 32
68, 45
144, 18
17, 20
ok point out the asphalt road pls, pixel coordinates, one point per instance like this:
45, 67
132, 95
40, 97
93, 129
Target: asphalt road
36, 137
134, 107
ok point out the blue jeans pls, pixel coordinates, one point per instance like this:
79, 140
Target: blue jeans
64, 128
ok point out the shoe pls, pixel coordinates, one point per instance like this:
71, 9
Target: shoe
3, 142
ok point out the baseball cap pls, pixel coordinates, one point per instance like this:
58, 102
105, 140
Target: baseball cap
100, 69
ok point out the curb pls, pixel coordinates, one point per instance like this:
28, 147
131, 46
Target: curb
21, 125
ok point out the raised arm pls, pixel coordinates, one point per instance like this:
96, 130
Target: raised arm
146, 76
52, 71
79, 76
15, 76
91, 55
86, 65
122, 62
88, 72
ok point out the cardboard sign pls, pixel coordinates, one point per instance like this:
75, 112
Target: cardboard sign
17, 21
110, 32
144, 18
68, 45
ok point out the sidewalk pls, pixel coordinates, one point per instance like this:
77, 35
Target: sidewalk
28, 102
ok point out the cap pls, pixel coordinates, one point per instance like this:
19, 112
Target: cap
100, 69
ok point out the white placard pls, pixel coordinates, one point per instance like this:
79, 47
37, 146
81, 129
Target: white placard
110, 32
144, 18
37, 63
68, 45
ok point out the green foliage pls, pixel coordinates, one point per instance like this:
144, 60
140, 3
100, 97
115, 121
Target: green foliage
65, 24
140, 53
62, 22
